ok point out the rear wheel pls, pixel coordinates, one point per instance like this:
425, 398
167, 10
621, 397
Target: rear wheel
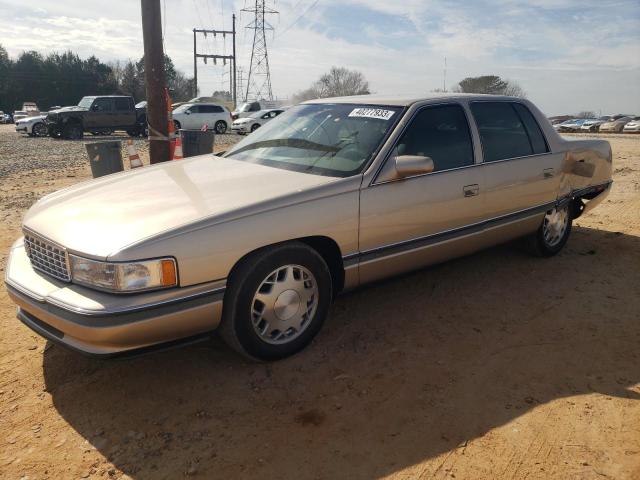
553, 233
221, 126
276, 301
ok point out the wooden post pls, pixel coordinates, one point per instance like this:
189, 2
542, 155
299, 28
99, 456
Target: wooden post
155, 81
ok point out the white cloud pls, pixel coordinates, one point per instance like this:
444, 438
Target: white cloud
567, 59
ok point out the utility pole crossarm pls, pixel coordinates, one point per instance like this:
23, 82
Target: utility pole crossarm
224, 58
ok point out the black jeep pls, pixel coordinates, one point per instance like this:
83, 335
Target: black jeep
98, 115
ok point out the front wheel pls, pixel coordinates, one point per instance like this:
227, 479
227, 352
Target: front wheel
553, 233
40, 130
221, 126
276, 302
73, 131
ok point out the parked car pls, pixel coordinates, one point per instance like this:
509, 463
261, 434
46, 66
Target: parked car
572, 125
332, 194
250, 124
193, 116
615, 126
31, 109
250, 108
32, 126
19, 114
3, 117
633, 126
97, 114
559, 119
593, 125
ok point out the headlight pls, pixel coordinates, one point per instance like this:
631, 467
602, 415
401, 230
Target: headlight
124, 276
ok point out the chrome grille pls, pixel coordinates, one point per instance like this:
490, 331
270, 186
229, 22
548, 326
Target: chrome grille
47, 257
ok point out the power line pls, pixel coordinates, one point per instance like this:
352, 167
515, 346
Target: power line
296, 20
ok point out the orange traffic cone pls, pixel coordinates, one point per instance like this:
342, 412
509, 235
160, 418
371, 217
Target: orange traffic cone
134, 158
177, 155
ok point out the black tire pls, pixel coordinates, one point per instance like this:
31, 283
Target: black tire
221, 126
133, 132
177, 125
53, 132
39, 130
73, 131
254, 127
537, 242
237, 328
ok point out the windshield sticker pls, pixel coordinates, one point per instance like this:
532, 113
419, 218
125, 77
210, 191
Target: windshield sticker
378, 113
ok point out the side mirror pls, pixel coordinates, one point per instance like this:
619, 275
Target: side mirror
188, 112
410, 165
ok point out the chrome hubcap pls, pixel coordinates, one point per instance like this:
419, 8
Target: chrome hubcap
554, 225
284, 304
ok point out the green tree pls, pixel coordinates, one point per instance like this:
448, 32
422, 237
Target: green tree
490, 84
337, 82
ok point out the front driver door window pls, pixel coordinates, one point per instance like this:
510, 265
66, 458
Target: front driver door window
403, 220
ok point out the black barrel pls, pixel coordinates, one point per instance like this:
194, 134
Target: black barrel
105, 157
196, 142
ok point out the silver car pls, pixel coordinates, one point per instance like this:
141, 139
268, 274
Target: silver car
330, 195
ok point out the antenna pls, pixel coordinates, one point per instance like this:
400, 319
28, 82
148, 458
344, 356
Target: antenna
444, 79
259, 77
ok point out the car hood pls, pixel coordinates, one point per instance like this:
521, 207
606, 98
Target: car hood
32, 119
104, 216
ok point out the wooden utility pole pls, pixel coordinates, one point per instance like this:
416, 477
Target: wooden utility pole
157, 115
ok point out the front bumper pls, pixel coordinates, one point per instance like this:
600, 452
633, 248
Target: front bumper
240, 128
104, 324
22, 129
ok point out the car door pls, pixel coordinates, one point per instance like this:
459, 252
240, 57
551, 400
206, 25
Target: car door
522, 175
192, 119
100, 114
125, 114
411, 222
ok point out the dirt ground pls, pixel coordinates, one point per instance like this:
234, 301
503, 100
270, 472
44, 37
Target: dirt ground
493, 366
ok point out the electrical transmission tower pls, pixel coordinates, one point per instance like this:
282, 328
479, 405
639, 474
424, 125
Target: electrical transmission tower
259, 78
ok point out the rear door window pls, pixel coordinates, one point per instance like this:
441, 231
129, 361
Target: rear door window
441, 133
502, 132
210, 109
538, 143
122, 104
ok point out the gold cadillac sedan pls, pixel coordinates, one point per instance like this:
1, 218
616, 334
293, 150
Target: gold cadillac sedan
330, 195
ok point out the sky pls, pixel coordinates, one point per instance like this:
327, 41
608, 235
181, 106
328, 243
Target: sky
568, 56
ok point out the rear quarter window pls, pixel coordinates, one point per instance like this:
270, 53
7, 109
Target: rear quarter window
502, 132
122, 104
538, 143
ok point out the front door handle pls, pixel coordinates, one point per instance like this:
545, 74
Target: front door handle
471, 190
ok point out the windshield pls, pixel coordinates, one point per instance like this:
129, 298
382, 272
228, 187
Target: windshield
182, 108
335, 140
86, 102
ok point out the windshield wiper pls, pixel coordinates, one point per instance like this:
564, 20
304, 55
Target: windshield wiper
289, 142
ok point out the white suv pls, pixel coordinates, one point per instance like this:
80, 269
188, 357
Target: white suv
194, 116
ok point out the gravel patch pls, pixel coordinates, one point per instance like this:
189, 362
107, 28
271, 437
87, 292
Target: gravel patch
20, 153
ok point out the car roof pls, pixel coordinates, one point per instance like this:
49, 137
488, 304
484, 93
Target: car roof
405, 100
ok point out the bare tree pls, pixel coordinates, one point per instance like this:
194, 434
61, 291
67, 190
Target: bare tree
490, 84
338, 82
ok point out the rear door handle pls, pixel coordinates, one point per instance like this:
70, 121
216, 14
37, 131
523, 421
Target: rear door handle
471, 190
548, 173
